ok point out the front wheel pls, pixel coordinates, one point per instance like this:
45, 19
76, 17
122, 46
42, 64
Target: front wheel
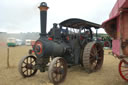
26, 66
57, 70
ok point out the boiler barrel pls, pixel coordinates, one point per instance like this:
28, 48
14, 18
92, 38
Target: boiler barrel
45, 48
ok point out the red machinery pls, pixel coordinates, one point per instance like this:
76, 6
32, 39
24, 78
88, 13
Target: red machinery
117, 27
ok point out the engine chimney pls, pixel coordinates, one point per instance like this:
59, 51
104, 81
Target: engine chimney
43, 17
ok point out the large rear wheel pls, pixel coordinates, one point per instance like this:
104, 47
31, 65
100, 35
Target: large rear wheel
93, 56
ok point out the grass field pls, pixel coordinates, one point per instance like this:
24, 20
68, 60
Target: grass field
108, 75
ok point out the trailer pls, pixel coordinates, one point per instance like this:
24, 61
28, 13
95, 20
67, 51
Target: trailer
117, 27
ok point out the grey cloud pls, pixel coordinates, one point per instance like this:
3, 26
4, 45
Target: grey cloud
23, 15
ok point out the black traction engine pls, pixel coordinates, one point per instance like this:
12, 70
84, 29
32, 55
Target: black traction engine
67, 44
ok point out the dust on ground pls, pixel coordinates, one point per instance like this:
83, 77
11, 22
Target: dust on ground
107, 75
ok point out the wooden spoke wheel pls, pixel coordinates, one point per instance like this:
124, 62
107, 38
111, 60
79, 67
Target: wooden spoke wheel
123, 69
57, 70
93, 56
26, 66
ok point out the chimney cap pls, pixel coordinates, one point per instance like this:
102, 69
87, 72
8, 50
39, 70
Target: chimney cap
44, 4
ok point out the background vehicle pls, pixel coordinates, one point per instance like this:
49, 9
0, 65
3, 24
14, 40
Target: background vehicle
27, 42
19, 42
11, 42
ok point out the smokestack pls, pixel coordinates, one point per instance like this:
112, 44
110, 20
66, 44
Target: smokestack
43, 17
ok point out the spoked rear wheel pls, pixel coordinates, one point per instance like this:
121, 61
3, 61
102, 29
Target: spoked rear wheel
123, 69
93, 56
26, 66
57, 70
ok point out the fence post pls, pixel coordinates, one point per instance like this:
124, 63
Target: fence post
8, 57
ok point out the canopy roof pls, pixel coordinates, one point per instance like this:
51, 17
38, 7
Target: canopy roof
111, 25
78, 23
120, 4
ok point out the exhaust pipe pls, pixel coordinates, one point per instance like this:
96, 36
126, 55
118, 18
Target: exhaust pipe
43, 17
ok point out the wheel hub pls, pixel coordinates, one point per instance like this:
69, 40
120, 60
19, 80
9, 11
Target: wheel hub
96, 57
59, 71
29, 66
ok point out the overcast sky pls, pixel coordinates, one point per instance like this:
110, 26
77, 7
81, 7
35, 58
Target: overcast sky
24, 15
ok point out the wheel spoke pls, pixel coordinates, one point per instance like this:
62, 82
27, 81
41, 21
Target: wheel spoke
95, 51
126, 74
124, 66
54, 75
124, 70
92, 54
61, 76
94, 63
24, 62
56, 64
30, 71
99, 50
24, 71
61, 64
58, 77
27, 71
23, 67
32, 61
99, 58
27, 60
92, 60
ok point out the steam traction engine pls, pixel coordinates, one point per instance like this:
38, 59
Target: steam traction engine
67, 44
117, 27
